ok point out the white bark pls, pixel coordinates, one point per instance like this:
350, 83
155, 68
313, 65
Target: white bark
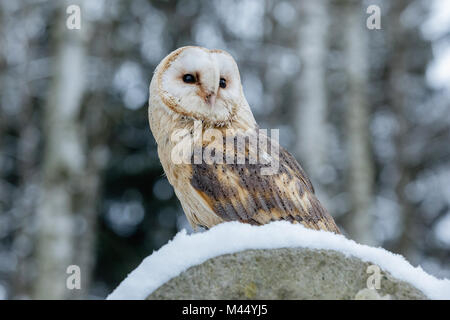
64, 166
360, 170
398, 71
311, 107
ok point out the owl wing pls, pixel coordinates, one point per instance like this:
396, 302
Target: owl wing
239, 192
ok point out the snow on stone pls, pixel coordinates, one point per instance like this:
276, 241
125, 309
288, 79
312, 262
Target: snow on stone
185, 251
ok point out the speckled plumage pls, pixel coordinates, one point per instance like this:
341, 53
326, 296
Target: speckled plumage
221, 191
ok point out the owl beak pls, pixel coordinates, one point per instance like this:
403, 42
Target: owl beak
211, 99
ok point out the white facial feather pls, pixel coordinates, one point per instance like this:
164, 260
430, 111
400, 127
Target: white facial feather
193, 100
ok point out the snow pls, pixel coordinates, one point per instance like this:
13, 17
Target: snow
185, 251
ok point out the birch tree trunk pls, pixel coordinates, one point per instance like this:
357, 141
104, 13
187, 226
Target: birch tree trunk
398, 72
359, 221
311, 106
67, 204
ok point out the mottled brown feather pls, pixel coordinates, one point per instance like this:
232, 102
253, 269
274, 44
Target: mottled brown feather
240, 192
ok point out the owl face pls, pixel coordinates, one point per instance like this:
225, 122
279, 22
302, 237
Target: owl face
201, 84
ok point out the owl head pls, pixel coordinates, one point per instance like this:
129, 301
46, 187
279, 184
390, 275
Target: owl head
200, 84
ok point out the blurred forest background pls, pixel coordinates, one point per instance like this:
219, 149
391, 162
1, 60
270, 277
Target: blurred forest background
366, 112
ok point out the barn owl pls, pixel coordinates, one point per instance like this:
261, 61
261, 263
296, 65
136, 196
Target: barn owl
197, 104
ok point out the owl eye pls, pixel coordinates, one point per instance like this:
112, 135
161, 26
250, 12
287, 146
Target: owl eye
223, 83
189, 78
